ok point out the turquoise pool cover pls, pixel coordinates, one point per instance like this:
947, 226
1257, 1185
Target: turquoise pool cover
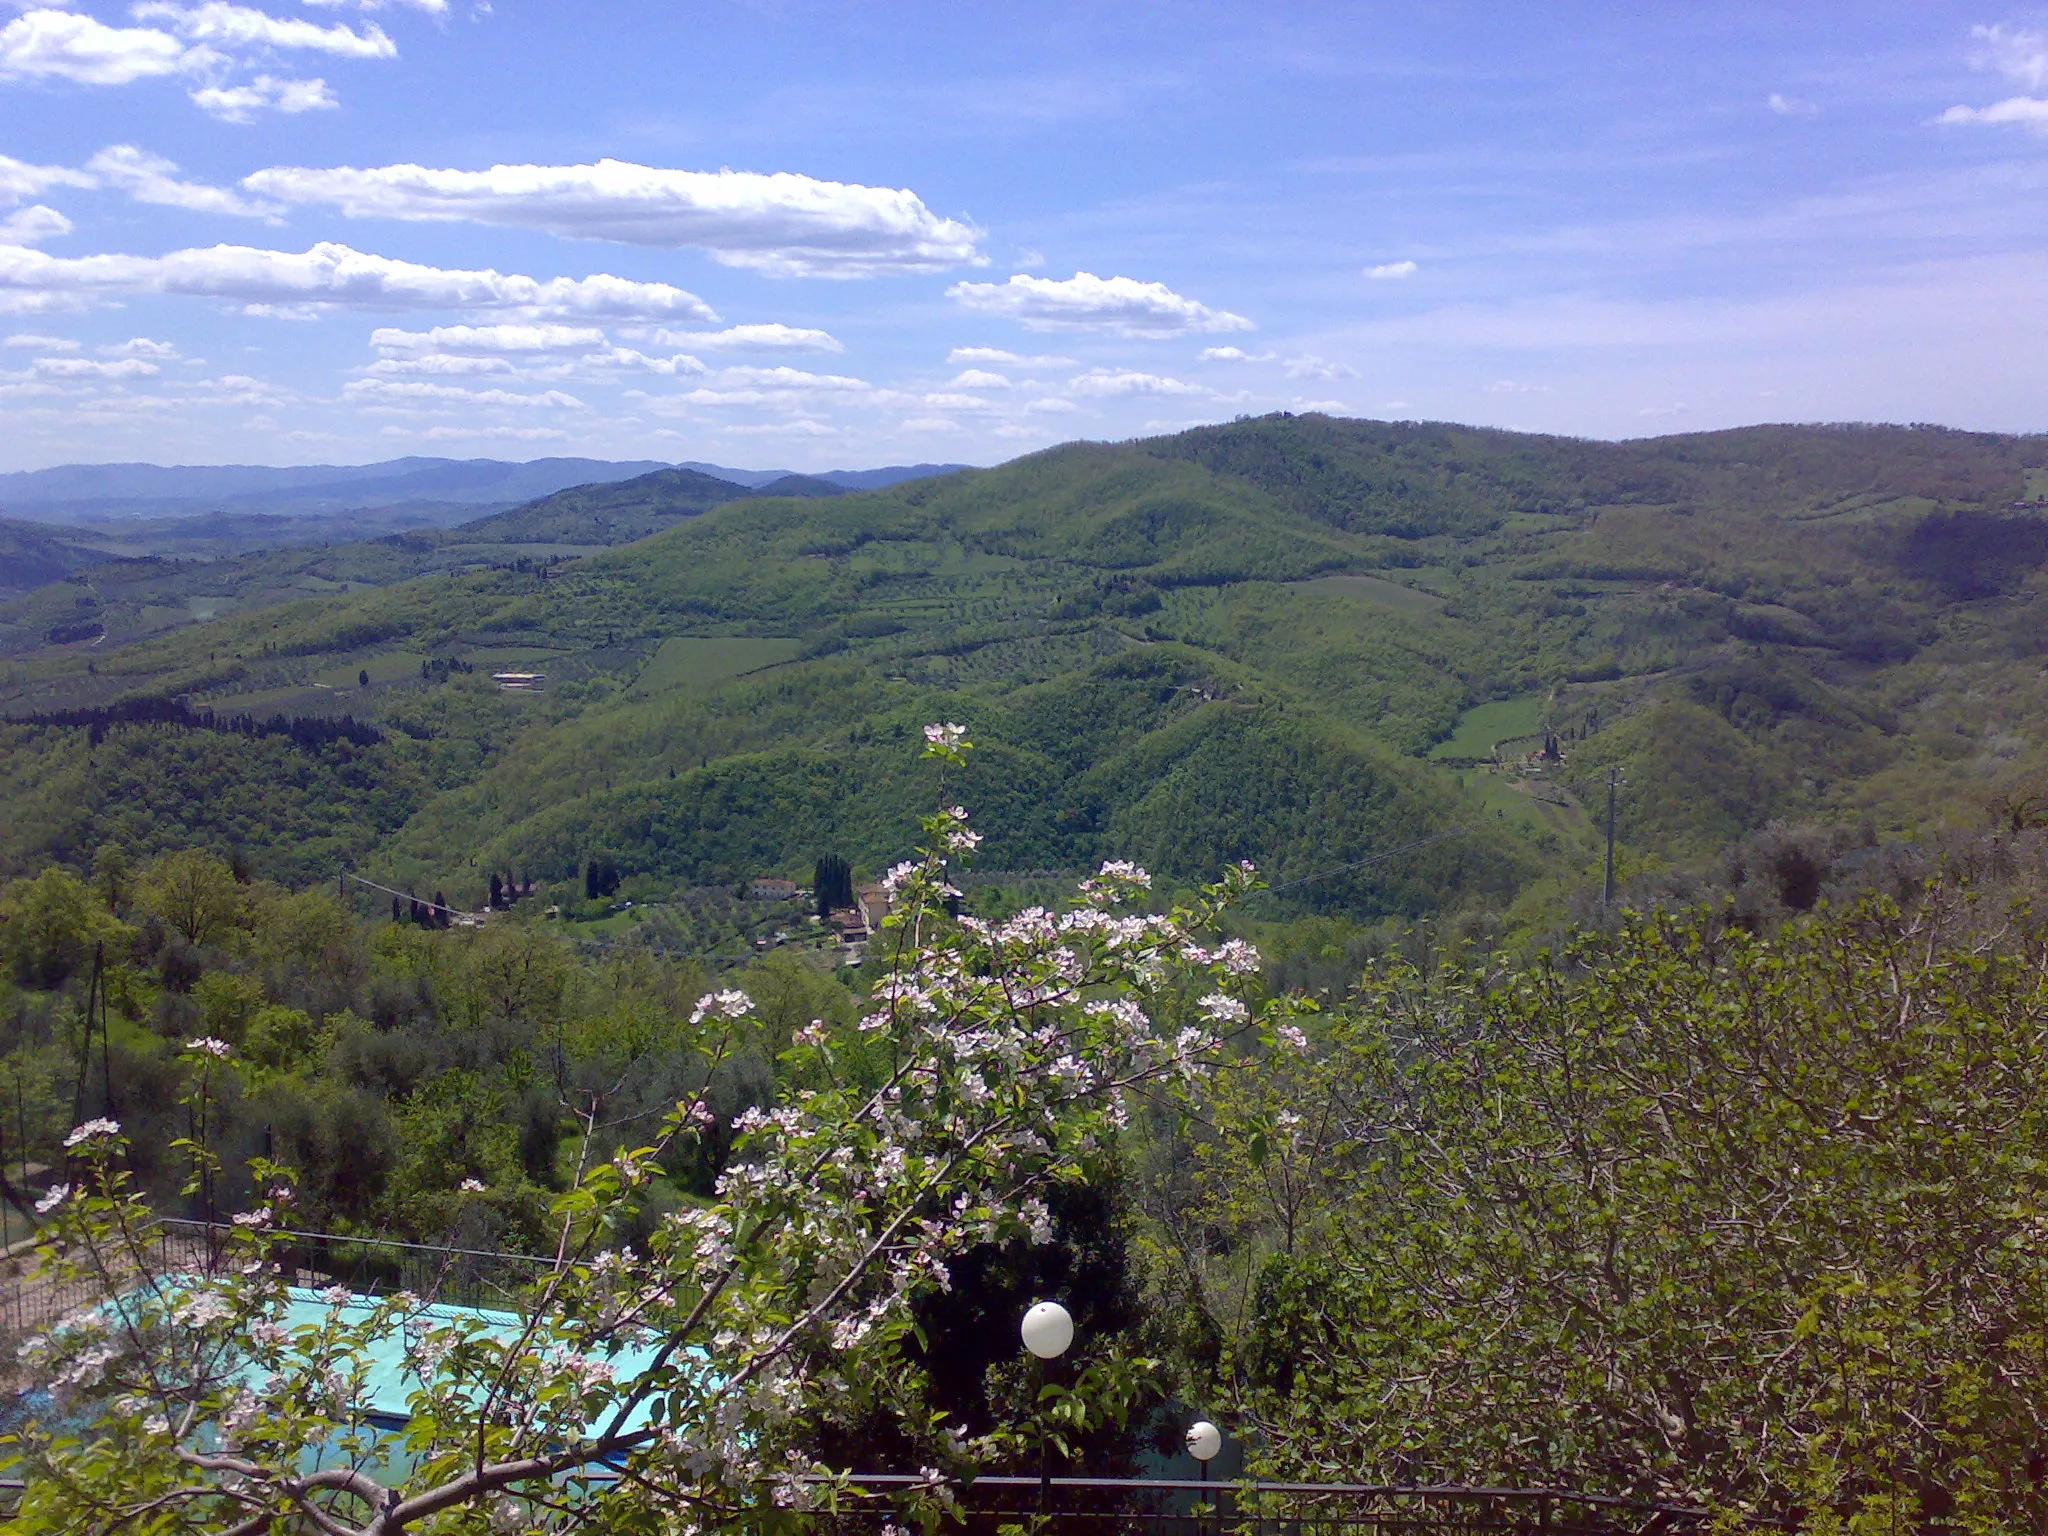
389, 1384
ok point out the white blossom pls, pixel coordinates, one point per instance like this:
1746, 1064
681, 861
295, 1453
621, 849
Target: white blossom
729, 1004
948, 735
207, 1045
1221, 1008
472, 1186
1238, 957
57, 1195
92, 1130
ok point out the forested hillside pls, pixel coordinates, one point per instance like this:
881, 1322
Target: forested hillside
1308, 642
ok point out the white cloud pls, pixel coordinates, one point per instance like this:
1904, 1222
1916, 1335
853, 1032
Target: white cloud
1001, 358
241, 103
803, 427
1514, 387
239, 26
332, 274
1234, 355
783, 224
628, 360
2029, 112
1084, 302
19, 179
1052, 405
386, 392
1309, 366
85, 368
152, 179
28, 342
931, 424
742, 338
490, 338
32, 225
978, 378
1388, 270
1110, 381
438, 365
65, 45
793, 378
431, 7
1323, 407
141, 346
495, 434
948, 401
39, 303
2018, 55
1791, 106
240, 389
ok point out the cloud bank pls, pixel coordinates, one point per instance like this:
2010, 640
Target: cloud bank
331, 274
65, 45
1122, 306
783, 224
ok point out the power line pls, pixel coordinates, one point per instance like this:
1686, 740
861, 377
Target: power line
431, 906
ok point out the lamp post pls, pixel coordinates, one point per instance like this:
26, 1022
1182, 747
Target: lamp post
1204, 1441
1048, 1329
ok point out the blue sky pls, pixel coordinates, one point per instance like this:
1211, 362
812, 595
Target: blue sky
834, 235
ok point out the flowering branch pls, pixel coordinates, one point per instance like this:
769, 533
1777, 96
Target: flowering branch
996, 1058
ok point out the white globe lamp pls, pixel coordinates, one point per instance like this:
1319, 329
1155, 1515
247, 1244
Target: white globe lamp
1048, 1330
1204, 1441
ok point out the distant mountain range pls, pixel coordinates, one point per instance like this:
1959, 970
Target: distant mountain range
443, 490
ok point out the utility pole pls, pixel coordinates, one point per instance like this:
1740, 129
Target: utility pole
1607, 886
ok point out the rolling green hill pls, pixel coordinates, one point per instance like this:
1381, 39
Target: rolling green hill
1305, 641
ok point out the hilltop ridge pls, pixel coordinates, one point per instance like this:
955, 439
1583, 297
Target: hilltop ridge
1299, 639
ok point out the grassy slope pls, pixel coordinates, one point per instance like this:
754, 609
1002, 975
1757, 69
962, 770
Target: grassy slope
1172, 649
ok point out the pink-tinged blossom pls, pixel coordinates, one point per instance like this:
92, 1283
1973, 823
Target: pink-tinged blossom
729, 1004
1117, 880
207, 1045
1291, 1035
1238, 957
1222, 1008
948, 735
473, 1186
57, 1195
252, 1219
1037, 1219
897, 877
93, 1130
204, 1308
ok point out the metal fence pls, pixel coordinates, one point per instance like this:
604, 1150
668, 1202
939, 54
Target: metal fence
367, 1266
34, 1296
